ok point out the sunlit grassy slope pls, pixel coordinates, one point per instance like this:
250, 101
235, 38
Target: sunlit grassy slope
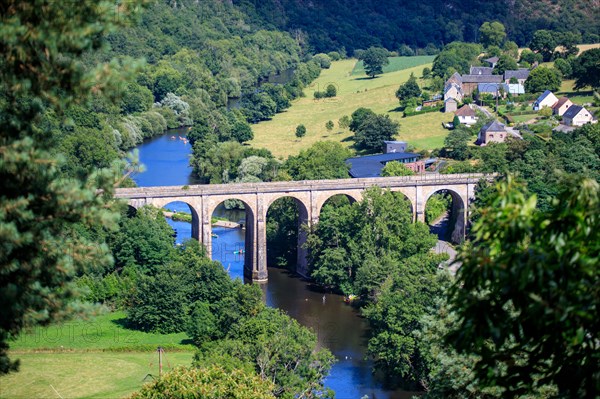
278, 135
92, 358
396, 64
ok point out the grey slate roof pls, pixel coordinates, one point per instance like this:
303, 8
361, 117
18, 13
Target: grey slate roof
493, 126
521, 73
455, 78
371, 165
572, 111
479, 70
492, 87
482, 79
492, 60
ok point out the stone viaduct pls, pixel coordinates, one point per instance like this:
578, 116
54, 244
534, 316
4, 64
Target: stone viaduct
309, 195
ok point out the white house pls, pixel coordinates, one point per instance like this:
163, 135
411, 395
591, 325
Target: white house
577, 116
547, 99
466, 115
561, 106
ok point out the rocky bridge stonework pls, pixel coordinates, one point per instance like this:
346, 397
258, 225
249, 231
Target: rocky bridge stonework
310, 196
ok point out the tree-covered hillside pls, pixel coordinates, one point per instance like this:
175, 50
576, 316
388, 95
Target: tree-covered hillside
332, 24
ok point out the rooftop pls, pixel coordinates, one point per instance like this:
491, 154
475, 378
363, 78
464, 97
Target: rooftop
573, 111
492, 87
493, 126
561, 102
521, 73
479, 70
482, 79
465, 110
371, 165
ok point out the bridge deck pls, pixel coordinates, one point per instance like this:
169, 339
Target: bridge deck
295, 186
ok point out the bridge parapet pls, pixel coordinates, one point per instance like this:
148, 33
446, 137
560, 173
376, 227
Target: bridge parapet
304, 185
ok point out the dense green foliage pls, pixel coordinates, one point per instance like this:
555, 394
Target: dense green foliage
436, 206
210, 382
339, 24
586, 69
324, 160
41, 77
373, 249
409, 89
536, 160
527, 292
396, 168
456, 57
373, 131
355, 245
542, 79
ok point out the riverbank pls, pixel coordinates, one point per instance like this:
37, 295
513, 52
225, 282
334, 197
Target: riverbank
187, 217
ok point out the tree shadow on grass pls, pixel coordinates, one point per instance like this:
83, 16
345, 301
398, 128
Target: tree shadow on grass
397, 109
366, 78
124, 323
348, 139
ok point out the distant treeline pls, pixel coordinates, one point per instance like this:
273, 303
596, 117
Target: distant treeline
335, 24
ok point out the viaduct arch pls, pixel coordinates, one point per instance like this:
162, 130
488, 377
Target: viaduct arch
311, 195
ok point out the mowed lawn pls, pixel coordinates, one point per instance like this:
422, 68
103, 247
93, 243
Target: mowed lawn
85, 374
95, 358
278, 135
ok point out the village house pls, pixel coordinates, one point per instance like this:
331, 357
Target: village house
576, 115
450, 105
520, 75
495, 89
492, 61
471, 82
515, 89
453, 93
546, 99
561, 106
492, 132
466, 115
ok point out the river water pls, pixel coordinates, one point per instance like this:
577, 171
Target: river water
338, 326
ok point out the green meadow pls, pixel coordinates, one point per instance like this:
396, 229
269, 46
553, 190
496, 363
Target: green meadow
397, 64
278, 134
90, 358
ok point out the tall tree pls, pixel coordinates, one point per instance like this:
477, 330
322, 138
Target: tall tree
586, 69
374, 59
373, 131
527, 292
542, 78
492, 34
409, 89
41, 71
544, 43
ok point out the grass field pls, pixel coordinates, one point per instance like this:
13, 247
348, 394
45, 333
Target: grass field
96, 358
578, 97
396, 64
84, 374
105, 332
422, 131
